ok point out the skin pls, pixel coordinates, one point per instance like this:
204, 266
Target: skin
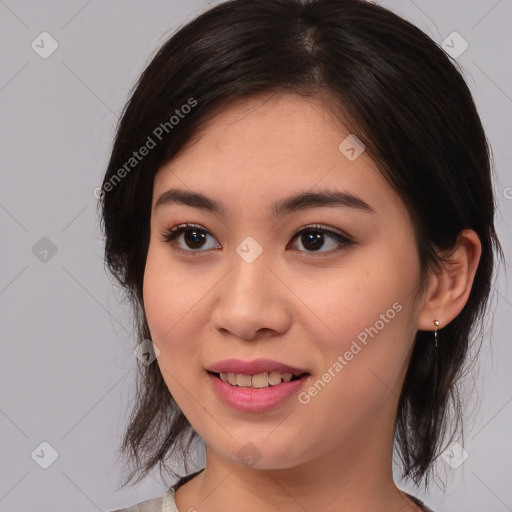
333, 453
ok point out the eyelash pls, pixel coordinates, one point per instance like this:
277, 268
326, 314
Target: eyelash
173, 233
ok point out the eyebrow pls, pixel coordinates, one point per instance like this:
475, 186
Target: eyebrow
298, 202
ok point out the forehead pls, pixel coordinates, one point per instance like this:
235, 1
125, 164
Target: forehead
272, 146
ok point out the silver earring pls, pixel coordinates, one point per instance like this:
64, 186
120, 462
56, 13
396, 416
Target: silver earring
436, 323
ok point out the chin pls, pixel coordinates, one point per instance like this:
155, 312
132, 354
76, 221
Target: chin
261, 454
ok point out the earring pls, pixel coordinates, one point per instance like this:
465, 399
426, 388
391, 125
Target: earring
436, 323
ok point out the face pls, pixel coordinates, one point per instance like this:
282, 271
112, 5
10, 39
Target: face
323, 287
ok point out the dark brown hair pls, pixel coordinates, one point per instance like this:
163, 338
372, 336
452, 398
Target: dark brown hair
392, 86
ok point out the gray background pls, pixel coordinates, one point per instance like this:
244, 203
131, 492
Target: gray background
67, 365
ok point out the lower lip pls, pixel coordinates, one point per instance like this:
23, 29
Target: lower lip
255, 399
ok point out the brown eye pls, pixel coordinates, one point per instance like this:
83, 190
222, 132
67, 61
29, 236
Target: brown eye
194, 237
313, 239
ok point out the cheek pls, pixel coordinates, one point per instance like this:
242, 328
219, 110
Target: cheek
368, 327
368, 293
174, 303
169, 300
170, 295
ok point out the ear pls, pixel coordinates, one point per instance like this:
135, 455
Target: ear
449, 290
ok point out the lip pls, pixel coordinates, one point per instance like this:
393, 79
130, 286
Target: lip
253, 367
253, 399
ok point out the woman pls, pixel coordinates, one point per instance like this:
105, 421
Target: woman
299, 206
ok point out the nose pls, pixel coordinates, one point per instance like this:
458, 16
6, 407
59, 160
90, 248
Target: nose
252, 301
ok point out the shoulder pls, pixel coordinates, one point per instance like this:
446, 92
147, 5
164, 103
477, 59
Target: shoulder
163, 503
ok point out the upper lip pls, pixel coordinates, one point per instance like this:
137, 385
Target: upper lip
253, 367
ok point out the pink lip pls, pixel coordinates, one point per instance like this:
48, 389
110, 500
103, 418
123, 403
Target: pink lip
255, 400
253, 367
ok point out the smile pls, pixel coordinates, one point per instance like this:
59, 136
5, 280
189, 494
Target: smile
256, 393
261, 380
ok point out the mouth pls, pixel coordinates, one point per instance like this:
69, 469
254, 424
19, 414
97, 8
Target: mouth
257, 392
256, 385
259, 380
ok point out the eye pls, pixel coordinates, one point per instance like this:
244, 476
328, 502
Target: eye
311, 237
193, 234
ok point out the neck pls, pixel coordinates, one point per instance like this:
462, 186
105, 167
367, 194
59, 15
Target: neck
357, 476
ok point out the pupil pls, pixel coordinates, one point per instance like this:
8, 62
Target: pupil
197, 237
312, 238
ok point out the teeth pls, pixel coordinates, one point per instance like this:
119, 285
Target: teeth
258, 381
261, 380
274, 378
244, 380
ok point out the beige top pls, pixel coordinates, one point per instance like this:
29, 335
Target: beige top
164, 503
